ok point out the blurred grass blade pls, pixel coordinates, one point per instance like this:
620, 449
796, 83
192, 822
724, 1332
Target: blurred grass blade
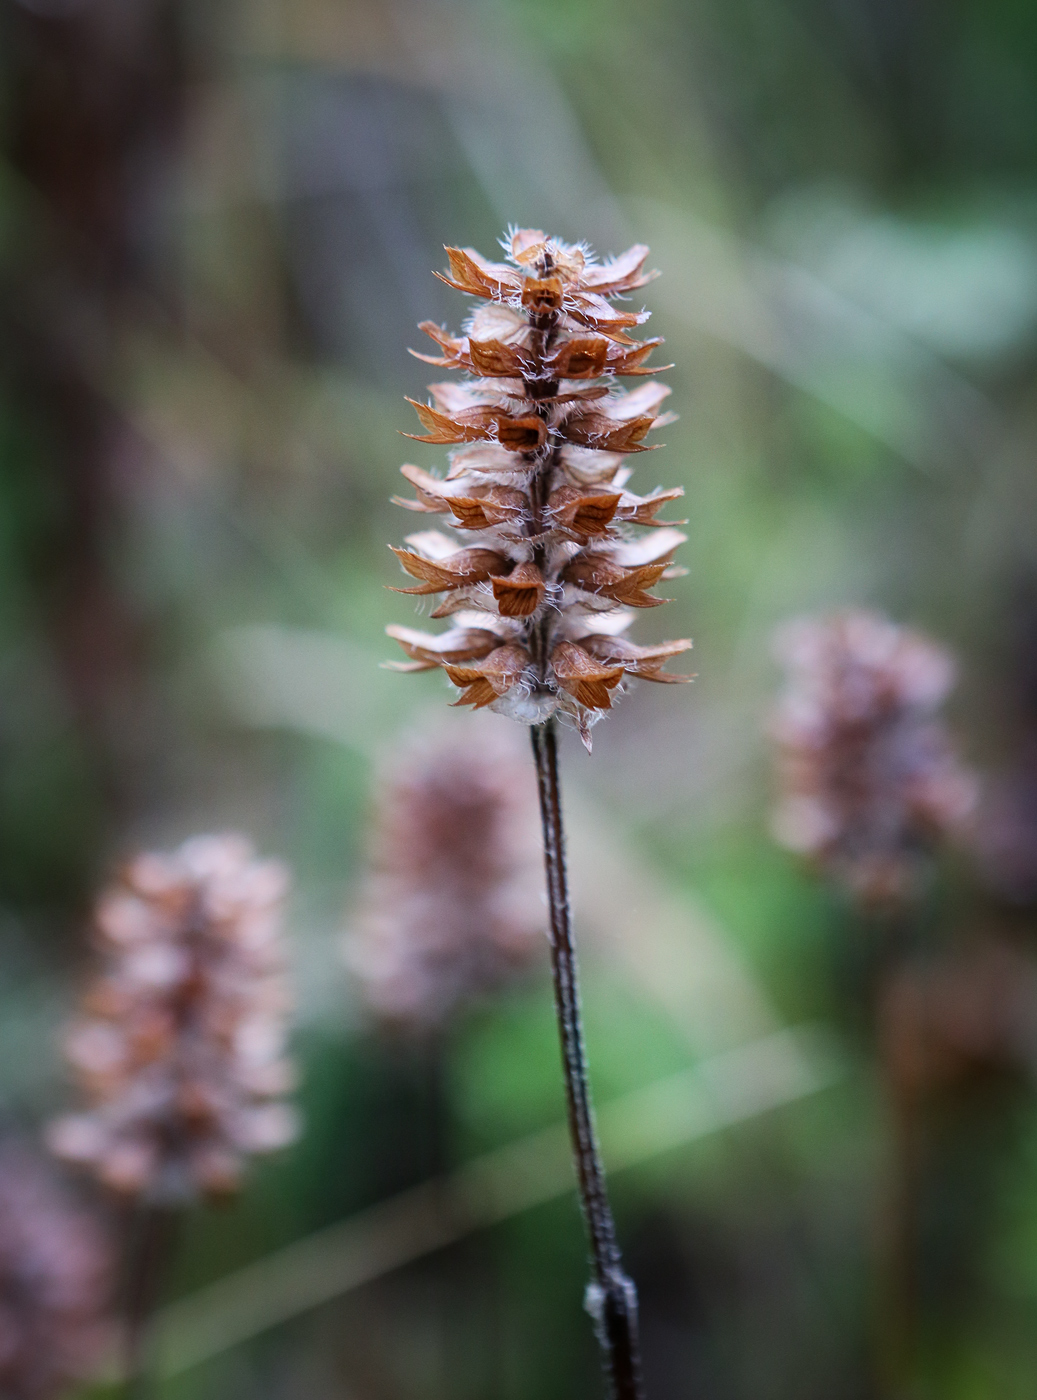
721, 1091
887, 383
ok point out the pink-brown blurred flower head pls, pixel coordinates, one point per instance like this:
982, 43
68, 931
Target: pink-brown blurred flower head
869, 779
179, 1048
450, 909
56, 1270
545, 567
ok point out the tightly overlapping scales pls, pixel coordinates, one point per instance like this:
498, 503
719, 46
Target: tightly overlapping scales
548, 560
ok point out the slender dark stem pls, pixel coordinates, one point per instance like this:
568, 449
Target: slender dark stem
152, 1240
611, 1296
898, 1245
890, 940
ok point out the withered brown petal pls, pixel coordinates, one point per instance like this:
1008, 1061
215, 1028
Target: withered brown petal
521, 434
483, 423
645, 662
479, 694
441, 427
456, 571
595, 312
583, 514
542, 294
472, 273
498, 505
641, 510
606, 435
419, 505
521, 592
499, 671
619, 274
585, 678
629, 359
582, 357
429, 489
526, 240
496, 360
454, 348
624, 585
459, 644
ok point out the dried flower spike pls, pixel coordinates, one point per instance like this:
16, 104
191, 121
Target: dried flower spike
869, 779
545, 569
541, 580
179, 1046
56, 1273
450, 909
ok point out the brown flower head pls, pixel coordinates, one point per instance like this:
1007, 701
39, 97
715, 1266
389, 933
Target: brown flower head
449, 910
179, 1046
544, 568
56, 1270
869, 779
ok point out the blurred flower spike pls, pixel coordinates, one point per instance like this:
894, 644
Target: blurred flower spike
450, 911
56, 1275
869, 780
545, 570
179, 1048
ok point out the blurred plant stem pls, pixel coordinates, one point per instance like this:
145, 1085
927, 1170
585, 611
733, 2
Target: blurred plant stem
894, 937
898, 1247
611, 1296
152, 1236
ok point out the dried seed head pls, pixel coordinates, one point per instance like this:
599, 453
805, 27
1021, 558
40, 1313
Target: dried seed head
549, 565
179, 1046
449, 910
56, 1270
869, 779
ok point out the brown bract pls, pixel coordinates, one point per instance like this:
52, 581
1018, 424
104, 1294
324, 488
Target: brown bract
538, 478
519, 593
586, 679
490, 678
459, 570
179, 1047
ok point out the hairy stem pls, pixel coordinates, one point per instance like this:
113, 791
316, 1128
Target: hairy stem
611, 1296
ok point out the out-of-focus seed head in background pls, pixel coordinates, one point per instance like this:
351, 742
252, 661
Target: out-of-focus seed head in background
179, 1047
450, 908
